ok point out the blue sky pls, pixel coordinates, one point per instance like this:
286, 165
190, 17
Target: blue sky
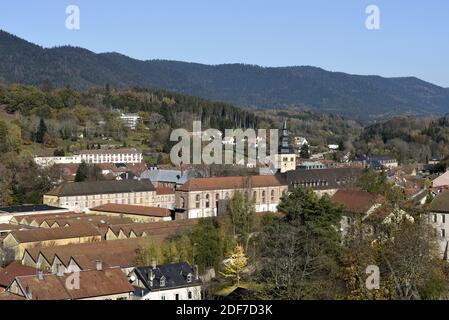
413, 39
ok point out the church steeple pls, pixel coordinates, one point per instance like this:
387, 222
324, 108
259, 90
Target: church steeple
285, 141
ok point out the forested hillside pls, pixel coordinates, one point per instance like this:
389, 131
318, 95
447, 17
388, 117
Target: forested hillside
409, 139
309, 88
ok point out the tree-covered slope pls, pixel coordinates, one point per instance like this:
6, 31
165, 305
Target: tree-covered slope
364, 97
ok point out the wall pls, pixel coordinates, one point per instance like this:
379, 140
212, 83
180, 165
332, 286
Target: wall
171, 294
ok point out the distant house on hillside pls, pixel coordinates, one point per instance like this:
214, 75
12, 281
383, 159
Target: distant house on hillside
131, 120
378, 162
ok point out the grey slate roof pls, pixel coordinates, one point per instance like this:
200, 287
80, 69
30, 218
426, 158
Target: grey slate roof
169, 176
101, 187
29, 208
441, 202
322, 179
175, 276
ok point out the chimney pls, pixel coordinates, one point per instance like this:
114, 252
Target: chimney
150, 277
98, 265
153, 263
195, 269
40, 275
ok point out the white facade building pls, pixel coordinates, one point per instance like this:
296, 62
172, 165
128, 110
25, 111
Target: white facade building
94, 157
174, 281
111, 156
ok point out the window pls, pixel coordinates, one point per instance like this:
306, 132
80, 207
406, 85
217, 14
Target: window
443, 218
163, 297
207, 200
190, 295
434, 218
189, 278
254, 195
177, 296
263, 197
197, 201
272, 195
443, 233
162, 282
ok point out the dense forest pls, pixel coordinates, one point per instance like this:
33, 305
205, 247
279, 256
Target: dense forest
305, 88
409, 139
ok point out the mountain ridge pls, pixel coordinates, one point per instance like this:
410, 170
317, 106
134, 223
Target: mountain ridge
303, 87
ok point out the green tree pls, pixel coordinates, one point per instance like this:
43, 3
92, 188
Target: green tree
299, 254
304, 152
59, 153
41, 131
209, 243
82, 173
241, 213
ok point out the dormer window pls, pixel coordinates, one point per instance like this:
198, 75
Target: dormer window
162, 282
189, 278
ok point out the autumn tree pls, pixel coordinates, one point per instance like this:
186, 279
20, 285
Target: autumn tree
234, 264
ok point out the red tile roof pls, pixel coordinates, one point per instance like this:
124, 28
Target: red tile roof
224, 183
92, 284
45, 234
135, 210
13, 270
112, 253
110, 151
356, 201
164, 190
10, 296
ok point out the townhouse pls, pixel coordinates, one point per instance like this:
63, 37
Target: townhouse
174, 281
97, 284
438, 217
357, 206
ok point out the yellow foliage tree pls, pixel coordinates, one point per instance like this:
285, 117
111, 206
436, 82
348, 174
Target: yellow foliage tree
235, 264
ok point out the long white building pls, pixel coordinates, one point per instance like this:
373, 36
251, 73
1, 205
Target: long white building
94, 157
